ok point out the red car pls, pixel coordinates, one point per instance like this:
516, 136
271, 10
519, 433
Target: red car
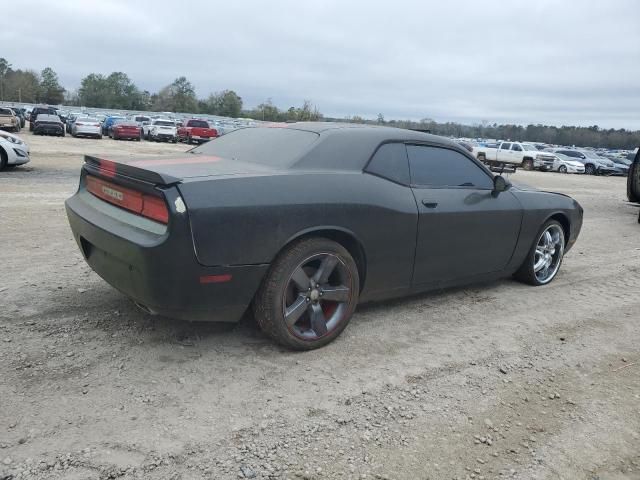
196, 131
125, 129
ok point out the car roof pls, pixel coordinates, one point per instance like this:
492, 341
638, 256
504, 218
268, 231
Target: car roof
350, 146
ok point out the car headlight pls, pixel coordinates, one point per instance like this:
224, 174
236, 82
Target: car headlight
13, 140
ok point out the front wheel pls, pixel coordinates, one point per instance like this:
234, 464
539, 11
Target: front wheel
527, 164
309, 294
544, 260
590, 169
562, 169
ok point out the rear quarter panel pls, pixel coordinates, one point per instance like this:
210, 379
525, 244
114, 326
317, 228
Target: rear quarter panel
248, 220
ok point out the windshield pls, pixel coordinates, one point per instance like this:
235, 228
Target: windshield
528, 147
266, 146
594, 155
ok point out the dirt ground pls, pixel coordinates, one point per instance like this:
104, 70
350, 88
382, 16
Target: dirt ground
492, 381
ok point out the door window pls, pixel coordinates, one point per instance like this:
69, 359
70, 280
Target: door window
442, 167
505, 146
516, 148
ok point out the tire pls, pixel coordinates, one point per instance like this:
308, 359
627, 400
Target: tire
527, 272
62, 134
3, 159
590, 169
527, 164
482, 158
189, 140
562, 169
317, 321
633, 182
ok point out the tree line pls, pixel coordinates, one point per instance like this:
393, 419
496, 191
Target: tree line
118, 92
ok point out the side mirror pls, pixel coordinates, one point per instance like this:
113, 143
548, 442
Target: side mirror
500, 184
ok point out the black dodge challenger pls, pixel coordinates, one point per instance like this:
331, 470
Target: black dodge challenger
301, 222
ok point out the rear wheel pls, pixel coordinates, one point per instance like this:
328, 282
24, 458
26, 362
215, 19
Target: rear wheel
544, 260
527, 164
309, 294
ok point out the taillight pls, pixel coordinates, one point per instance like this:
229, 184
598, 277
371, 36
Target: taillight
155, 209
140, 203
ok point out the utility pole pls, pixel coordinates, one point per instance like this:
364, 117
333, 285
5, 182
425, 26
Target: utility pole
19, 95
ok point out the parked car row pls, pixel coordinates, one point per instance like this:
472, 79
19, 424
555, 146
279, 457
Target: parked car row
530, 156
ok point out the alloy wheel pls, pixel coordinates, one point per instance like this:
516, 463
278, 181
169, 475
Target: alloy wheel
548, 254
317, 296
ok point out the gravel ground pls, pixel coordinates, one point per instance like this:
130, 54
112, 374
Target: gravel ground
491, 381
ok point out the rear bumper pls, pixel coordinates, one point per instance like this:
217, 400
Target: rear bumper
163, 136
48, 129
88, 131
126, 135
158, 270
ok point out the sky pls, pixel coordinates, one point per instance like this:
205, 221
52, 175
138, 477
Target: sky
573, 62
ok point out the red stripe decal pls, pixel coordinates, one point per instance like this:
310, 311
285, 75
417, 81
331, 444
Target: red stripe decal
216, 278
173, 161
107, 168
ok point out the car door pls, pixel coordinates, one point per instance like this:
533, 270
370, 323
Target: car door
504, 154
465, 229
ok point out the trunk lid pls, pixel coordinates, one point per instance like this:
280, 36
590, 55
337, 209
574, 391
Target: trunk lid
170, 170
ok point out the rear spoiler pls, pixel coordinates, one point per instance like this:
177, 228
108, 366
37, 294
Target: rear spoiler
119, 167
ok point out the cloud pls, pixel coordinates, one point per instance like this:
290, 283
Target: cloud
521, 61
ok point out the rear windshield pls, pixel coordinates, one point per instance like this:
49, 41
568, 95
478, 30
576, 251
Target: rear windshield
163, 123
5, 111
198, 124
266, 146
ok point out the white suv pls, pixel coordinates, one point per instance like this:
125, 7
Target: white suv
161, 129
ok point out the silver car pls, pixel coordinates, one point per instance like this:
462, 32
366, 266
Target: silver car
13, 150
86, 127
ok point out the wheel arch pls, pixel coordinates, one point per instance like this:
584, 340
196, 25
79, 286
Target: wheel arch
344, 237
4, 155
563, 219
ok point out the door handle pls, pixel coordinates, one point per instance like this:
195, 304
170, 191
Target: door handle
429, 204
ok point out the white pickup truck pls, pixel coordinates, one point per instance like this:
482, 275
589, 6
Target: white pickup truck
513, 154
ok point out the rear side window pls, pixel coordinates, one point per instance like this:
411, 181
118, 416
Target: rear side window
441, 167
390, 162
